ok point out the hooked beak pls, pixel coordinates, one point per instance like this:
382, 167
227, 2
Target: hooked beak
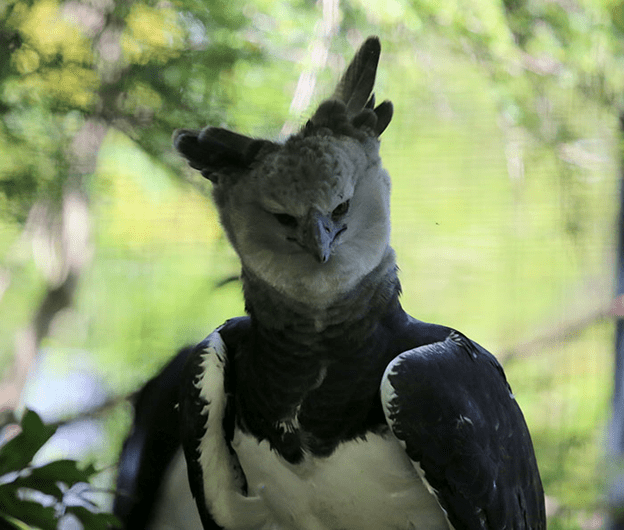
319, 234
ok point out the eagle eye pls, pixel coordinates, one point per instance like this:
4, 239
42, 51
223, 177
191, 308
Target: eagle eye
340, 210
286, 220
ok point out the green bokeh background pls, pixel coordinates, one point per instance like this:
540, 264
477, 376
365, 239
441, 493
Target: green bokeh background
505, 187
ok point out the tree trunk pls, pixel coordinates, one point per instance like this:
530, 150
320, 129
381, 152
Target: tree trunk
61, 249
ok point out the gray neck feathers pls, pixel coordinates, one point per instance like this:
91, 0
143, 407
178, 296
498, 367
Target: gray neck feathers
297, 321
294, 346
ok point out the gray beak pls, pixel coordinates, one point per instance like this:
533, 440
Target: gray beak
319, 234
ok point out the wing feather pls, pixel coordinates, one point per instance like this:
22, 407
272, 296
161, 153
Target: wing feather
451, 406
150, 447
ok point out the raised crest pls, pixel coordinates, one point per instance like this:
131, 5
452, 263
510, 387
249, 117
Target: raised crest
350, 111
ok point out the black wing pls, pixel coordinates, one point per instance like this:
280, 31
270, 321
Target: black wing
150, 447
449, 403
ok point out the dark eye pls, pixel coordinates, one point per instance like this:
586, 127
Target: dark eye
286, 220
340, 210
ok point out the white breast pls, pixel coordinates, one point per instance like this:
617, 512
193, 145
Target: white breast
363, 485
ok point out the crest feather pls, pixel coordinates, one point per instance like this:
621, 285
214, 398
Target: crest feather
356, 85
351, 109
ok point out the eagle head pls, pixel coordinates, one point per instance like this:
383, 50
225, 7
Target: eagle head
309, 216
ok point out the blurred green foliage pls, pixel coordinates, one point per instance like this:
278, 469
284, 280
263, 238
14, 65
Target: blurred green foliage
22, 485
504, 154
140, 67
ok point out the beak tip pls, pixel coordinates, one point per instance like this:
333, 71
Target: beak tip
323, 255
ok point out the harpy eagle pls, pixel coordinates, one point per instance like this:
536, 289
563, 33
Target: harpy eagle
328, 407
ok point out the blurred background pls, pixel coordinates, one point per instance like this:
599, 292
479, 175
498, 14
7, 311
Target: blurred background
505, 158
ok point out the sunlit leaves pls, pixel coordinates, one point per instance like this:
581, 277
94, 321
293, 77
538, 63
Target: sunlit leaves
152, 34
141, 98
72, 87
26, 60
45, 30
37, 496
482, 23
53, 60
143, 67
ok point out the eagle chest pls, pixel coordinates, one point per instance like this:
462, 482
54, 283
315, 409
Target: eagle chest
309, 414
364, 484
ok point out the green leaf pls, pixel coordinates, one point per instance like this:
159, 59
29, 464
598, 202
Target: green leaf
65, 471
7, 494
30, 512
7, 524
17, 453
49, 487
94, 521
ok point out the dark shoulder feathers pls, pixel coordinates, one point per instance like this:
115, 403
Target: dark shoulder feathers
450, 405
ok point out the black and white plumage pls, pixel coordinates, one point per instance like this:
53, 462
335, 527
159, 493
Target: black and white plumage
329, 407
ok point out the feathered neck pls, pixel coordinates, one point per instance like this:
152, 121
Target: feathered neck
272, 310
293, 350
